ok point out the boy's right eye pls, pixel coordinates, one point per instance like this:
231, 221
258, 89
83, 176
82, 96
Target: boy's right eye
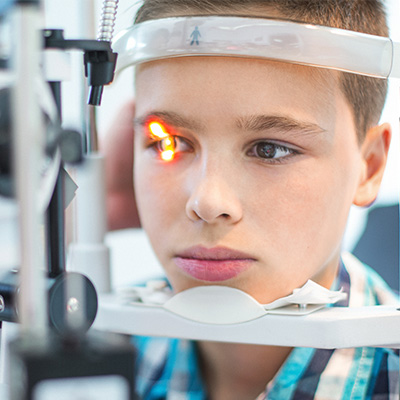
164, 142
170, 147
167, 148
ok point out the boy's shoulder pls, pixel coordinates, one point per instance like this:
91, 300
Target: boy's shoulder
364, 285
337, 374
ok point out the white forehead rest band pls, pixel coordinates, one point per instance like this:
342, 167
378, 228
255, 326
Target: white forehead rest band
271, 39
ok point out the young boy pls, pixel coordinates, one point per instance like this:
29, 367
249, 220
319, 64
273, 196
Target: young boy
268, 158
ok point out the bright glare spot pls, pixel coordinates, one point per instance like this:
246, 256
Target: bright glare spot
167, 155
168, 142
158, 130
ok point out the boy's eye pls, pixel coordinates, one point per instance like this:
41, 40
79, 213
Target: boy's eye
167, 148
270, 151
171, 146
165, 143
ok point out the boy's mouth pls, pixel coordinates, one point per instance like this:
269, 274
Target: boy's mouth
213, 265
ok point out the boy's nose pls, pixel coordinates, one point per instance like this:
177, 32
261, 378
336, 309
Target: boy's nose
213, 197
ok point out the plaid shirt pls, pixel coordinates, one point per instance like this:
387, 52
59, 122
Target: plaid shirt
168, 368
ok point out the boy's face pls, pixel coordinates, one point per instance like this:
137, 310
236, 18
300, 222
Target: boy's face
267, 165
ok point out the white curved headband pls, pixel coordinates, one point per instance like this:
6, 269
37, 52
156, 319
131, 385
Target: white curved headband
298, 43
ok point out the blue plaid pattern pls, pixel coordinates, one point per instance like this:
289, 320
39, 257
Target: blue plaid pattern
168, 368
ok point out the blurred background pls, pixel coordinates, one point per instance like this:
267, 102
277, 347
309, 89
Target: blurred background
372, 233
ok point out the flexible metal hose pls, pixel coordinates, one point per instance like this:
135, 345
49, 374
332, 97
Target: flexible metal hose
107, 22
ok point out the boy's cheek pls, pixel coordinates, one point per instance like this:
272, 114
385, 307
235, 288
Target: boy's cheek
157, 196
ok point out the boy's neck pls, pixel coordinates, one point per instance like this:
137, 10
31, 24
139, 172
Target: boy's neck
239, 371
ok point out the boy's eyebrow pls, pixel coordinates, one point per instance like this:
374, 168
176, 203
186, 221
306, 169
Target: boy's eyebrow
171, 118
277, 122
255, 123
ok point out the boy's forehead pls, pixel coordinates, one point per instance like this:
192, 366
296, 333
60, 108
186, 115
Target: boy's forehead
232, 70
241, 88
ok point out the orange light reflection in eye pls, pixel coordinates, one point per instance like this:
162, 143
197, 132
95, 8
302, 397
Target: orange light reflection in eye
167, 142
168, 155
158, 130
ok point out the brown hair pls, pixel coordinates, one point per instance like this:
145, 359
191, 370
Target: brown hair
365, 95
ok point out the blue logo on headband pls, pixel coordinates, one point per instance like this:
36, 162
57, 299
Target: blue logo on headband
195, 36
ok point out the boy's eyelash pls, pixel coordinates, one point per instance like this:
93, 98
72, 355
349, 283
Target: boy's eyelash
180, 145
152, 141
158, 142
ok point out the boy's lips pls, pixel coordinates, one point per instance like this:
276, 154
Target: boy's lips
213, 265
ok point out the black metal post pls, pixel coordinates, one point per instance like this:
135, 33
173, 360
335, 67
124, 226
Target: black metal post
55, 214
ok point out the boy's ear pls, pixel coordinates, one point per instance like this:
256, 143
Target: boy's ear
374, 151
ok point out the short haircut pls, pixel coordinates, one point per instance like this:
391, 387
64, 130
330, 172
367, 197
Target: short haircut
365, 95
